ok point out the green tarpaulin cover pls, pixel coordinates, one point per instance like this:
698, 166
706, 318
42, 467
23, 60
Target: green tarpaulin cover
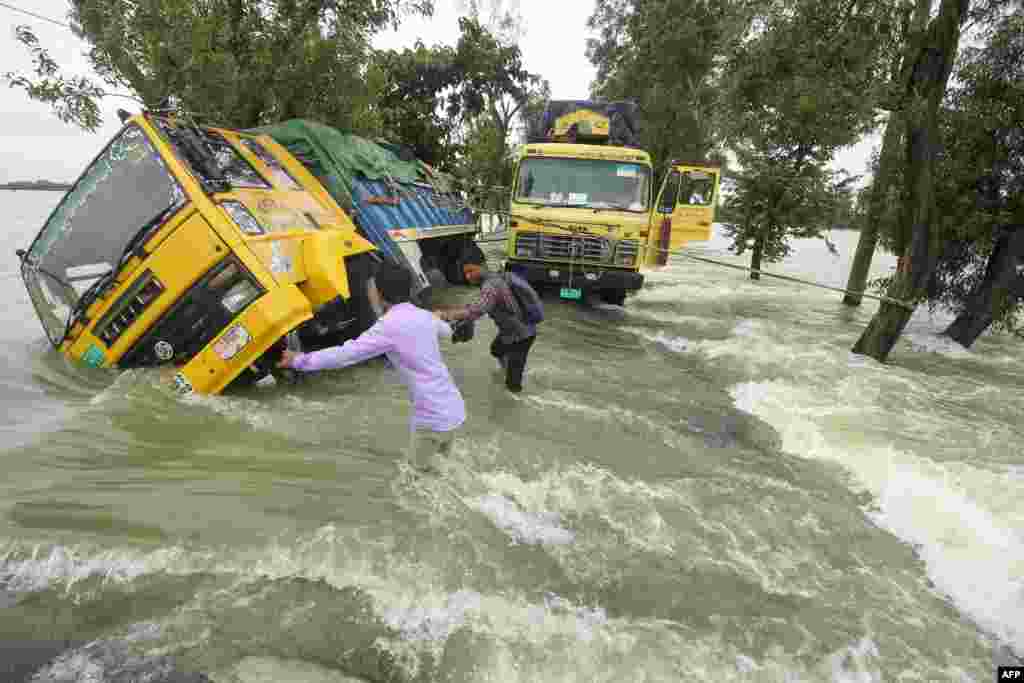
336, 158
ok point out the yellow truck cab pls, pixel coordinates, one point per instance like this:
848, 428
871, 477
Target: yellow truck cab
583, 215
195, 247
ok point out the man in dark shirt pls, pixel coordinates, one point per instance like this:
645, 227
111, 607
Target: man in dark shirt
515, 336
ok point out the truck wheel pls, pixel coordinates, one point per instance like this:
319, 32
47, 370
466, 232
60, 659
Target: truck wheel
615, 297
343, 319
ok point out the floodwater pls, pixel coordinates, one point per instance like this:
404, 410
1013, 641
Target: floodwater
703, 486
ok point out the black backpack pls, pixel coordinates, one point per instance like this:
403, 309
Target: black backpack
527, 298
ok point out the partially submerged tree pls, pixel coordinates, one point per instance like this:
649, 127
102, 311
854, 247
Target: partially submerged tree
921, 90
981, 179
888, 163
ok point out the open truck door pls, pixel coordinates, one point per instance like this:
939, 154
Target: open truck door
684, 211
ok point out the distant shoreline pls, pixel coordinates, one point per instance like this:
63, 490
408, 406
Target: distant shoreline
44, 185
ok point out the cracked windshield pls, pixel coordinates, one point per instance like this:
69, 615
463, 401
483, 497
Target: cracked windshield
512, 341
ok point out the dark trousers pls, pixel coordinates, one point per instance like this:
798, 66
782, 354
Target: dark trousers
514, 357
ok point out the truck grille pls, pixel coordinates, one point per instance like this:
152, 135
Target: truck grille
128, 308
190, 324
563, 247
625, 252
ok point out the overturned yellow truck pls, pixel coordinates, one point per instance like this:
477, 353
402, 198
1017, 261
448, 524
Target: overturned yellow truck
209, 249
584, 219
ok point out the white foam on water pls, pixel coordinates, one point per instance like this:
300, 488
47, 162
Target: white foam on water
67, 566
276, 670
570, 403
592, 495
668, 318
254, 413
432, 622
960, 517
539, 528
930, 341
509, 636
672, 343
77, 667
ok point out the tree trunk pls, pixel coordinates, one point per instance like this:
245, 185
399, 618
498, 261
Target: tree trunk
756, 255
1003, 286
927, 75
879, 193
887, 162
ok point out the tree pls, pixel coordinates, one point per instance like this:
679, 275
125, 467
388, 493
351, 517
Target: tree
495, 83
792, 103
239, 63
666, 56
885, 167
494, 93
922, 88
980, 202
74, 99
416, 102
777, 198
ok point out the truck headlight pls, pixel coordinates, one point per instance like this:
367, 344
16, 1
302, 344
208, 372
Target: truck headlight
245, 221
241, 294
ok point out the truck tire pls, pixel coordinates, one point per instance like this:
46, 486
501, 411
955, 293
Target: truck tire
342, 319
615, 297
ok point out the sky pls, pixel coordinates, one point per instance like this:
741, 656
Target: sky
35, 144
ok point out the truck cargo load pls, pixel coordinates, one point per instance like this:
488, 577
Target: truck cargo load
410, 211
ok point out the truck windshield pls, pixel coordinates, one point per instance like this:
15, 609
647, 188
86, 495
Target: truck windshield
210, 157
590, 183
126, 189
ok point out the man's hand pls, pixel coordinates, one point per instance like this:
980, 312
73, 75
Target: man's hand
286, 359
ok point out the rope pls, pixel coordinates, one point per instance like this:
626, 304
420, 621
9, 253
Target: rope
788, 278
879, 297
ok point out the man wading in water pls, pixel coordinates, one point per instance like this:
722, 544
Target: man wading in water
517, 330
408, 336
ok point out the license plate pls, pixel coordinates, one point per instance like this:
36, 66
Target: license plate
232, 342
569, 293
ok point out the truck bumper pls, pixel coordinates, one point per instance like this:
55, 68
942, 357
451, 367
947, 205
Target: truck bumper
581, 277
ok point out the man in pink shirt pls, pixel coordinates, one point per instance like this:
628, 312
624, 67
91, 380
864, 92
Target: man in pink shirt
409, 337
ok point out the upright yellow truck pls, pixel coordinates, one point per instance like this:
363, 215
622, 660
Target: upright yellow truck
583, 219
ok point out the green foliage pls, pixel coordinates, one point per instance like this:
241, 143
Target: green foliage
74, 99
449, 103
804, 82
417, 104
666, 57
234, 62
981, 165
776, 199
